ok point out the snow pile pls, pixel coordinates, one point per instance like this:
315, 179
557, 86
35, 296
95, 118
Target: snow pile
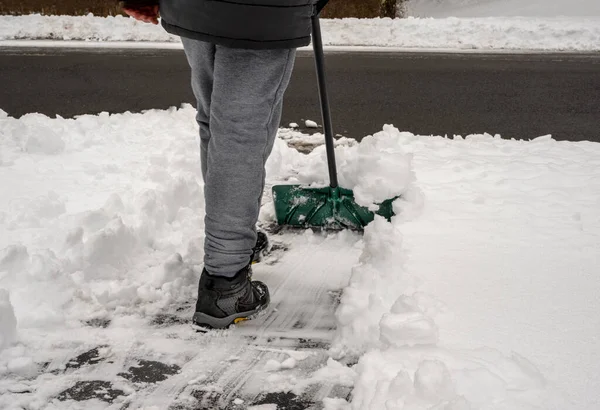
426, 378
372, 309
8, 322
383, 313
376, 169
577, 34
503, 8
506, 33
76, 243
91, 28
466, 255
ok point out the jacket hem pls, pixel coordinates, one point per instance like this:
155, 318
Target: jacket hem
236, 42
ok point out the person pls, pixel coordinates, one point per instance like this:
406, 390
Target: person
241, 55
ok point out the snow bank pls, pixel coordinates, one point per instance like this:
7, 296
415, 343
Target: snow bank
65, 248
503, 8
493, 33
475, 33
117, 28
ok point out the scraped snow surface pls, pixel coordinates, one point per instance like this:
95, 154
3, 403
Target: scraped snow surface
545, 33
481, 294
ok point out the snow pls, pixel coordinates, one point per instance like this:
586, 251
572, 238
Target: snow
8, 322
539, 31
288, 363
311, 124
272, 366
508, 235
503, 8
334, 370
481, 293
377, 169
433, 377
275, 366
335, 404
263, 407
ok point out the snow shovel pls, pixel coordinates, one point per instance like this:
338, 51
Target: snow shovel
331, 207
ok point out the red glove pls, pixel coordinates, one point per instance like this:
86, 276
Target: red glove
142, 10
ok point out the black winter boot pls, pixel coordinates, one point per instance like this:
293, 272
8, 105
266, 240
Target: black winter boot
226, 301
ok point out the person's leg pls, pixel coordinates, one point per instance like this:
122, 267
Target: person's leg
245, 110
201, 58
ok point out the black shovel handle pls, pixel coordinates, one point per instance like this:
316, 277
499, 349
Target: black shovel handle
320, 63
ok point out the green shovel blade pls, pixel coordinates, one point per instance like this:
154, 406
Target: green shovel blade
331, 208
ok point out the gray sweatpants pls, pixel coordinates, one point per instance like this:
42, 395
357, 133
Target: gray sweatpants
239, 96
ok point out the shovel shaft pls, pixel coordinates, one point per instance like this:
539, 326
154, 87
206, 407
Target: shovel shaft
320, 63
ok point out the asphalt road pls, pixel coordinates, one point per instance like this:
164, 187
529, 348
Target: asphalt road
518, 96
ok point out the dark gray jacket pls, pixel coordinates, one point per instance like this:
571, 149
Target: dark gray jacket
256, 24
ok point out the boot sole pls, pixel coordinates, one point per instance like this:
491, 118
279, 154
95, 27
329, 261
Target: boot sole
204, 323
